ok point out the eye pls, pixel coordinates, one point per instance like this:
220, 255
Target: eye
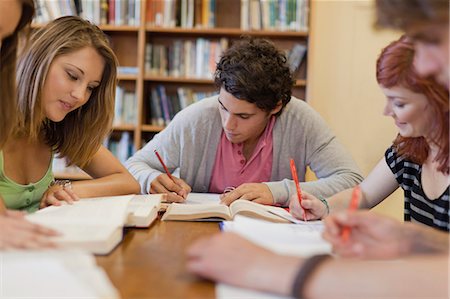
72, 76
244, 116
399, 105
91, 88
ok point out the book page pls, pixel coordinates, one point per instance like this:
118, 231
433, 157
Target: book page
224, 291
255, 210
177, 211
89, 211
203, 198
283, 238
143, 210
53, 274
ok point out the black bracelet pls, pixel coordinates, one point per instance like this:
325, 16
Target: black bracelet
305, 272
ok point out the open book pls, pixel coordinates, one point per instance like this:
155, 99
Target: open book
96, 224
218, 212
53, 274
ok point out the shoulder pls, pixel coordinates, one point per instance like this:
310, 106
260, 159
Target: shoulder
299, 109
298, 113
398, 164
197, 117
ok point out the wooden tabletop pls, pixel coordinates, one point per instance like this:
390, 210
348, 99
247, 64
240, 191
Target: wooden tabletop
150, 263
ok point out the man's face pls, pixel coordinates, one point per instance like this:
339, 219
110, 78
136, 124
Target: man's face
432, 52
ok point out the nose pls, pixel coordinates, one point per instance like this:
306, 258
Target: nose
387, 111
424, 61
79, 92
229, 123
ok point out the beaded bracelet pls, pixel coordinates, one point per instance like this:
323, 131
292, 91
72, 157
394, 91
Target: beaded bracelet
65, 184
304, 274
325, 202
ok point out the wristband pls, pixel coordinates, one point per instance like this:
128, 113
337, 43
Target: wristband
307, 269
325, 202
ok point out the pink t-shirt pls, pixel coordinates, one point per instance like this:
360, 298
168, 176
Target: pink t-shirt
231, 169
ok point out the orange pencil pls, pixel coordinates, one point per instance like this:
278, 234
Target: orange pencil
297, 185
354, 202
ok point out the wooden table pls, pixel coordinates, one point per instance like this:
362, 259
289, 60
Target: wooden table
150, 263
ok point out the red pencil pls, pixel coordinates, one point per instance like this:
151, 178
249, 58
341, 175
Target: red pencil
164, 166
354, 202
297, 185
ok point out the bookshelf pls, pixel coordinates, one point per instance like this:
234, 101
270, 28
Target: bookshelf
166, 26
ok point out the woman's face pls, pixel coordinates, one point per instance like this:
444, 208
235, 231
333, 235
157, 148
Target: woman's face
411, 111
70, 82
242, 121
10, 13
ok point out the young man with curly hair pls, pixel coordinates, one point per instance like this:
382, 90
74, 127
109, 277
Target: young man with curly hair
244, 137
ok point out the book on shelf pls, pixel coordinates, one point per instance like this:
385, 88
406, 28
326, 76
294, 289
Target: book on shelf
96, 224
184, 58
125, 107
53, 274
218, 212
164, 105
102, 12
181, 13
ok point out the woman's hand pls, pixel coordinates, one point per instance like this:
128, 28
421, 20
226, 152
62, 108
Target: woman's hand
57, 192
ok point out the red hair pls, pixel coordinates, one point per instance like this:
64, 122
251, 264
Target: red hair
395, 67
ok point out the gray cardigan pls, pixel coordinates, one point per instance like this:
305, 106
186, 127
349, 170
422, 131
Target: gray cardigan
190, 143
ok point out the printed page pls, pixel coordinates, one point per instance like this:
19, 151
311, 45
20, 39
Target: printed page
53, 274
177, 211
290, 239
143, 209
255, 210
89, 211
224, 291
203, 198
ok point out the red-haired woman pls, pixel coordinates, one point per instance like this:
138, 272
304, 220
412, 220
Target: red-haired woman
418, 160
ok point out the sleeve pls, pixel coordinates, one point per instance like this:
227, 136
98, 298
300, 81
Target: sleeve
145, 166
319, 150
395, 164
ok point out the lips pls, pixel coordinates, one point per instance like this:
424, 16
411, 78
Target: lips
66, 105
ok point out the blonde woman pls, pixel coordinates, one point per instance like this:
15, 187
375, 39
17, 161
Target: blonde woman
66, 83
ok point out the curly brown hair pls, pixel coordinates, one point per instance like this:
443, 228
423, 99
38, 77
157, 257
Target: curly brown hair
254, 70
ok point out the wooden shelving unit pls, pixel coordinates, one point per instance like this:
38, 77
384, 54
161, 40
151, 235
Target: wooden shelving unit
129, 44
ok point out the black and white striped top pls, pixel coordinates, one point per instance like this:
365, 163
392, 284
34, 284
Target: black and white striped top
418, 207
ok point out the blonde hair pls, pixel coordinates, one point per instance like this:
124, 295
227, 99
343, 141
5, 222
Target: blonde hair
79, 135
8, 53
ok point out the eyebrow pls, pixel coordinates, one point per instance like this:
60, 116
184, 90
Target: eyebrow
82, 72
239, 114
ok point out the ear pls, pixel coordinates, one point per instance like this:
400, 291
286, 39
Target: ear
277, 108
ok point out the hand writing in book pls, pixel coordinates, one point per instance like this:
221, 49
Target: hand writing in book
177, 190
313, 207
231, 259
372, 236
257, 192
17, 232
57, 193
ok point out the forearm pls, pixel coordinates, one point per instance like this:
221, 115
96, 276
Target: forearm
426, 277
114, 184
424, 239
